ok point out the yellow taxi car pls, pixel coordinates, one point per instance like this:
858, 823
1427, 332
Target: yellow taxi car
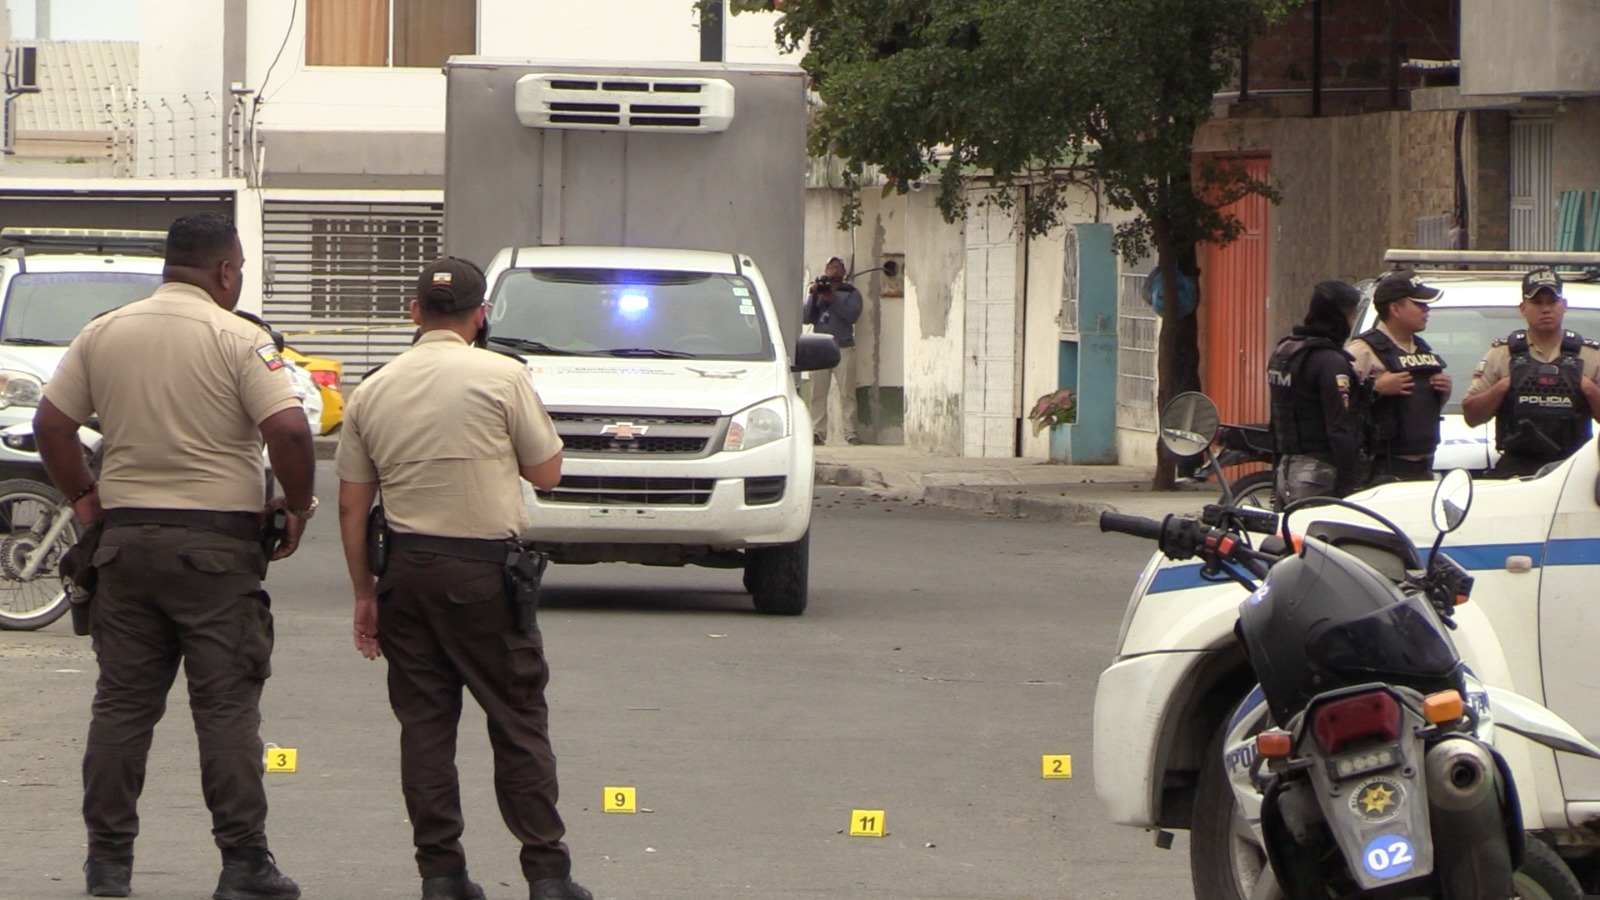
326, 373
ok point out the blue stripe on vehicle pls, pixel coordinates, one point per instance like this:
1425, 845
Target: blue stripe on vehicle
1572, 552
1474, 557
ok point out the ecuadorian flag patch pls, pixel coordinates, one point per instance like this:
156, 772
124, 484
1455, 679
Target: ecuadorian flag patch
270, 356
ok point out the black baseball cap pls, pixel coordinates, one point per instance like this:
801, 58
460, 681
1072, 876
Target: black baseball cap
1403, 284
450, 285
1541, 279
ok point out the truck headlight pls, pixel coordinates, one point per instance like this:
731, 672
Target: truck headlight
760, 424
19, 389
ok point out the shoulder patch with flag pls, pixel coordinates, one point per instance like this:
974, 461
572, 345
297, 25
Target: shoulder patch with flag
269, 355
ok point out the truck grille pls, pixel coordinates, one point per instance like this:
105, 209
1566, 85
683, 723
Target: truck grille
655, 434
615, 490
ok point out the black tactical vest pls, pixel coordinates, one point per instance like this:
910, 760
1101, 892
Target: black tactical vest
1544, 416
1406, 426
1296, 409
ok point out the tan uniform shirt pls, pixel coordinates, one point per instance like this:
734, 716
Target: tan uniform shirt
182, 387
443, 428
1365, 360
1497, 364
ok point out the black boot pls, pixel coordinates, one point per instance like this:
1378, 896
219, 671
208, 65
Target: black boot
107, 877
451, 887
557, 889
253, 875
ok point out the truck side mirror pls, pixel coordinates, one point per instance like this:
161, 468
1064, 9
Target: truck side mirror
813, 352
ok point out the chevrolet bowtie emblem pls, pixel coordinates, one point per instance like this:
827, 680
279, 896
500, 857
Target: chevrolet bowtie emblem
625, 431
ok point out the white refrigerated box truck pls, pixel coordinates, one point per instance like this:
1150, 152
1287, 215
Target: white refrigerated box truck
641, 229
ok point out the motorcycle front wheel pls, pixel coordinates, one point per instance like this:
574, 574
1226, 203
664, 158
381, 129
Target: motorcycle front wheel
1225, 860
27, 510
1257, 489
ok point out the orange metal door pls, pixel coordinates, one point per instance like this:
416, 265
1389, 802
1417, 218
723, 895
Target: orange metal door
1233, 310
1233, 291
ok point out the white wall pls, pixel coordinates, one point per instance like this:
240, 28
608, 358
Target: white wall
337, 98
935, 313
182, 108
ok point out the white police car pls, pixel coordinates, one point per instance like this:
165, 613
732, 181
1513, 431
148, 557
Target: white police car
1476, 308
52, 282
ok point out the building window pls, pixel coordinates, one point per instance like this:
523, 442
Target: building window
399, 33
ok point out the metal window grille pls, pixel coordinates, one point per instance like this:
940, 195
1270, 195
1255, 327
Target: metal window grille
343, 274
1532, 204
1138, 331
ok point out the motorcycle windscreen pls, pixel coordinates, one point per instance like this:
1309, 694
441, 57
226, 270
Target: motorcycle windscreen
1401, 643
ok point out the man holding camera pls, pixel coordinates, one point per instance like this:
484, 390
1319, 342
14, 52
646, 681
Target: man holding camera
832, 308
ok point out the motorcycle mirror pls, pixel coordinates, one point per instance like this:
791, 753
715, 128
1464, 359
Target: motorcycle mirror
1451, 500
1189, 424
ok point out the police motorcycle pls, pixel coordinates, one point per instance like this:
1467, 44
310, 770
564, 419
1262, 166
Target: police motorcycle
1362, 762
37, 527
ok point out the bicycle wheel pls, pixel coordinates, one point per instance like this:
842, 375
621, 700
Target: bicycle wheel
28, 510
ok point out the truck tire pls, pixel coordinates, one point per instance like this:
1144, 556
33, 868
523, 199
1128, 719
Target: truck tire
777, 577
1224, 861
1544, 876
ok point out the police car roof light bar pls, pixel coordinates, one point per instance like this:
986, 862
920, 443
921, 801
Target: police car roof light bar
127, 241
1500, 258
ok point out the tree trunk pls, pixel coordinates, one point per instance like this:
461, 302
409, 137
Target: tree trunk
1178, 353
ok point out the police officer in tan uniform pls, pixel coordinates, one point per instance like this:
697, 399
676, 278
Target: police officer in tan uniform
1538, 384
1406, 378
446, 431
186, 392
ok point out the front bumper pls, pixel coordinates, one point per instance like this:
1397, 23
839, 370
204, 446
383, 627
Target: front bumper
1131, 705
723, 521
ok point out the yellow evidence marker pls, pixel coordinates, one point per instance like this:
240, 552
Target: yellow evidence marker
282, 759
1057, 766
618, 800
866, 823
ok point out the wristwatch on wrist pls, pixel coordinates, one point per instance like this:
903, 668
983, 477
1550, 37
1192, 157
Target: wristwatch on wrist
306, 513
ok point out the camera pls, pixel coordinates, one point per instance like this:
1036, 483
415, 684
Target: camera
823, 285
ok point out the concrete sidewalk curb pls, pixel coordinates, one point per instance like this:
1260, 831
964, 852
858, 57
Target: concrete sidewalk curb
847, 476
1016, 506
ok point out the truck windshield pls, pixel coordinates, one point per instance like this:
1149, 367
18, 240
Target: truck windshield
52, 307
611, 312
1462, 335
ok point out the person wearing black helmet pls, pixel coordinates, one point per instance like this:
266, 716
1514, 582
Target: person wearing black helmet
1538, 384
1407, 377
1316, 403
448, 431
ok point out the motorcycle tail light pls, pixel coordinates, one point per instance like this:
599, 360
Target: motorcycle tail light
326, 378
1349, 719
1442, 707
1274, 743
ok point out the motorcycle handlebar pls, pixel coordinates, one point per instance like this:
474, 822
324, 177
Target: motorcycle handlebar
1138, 526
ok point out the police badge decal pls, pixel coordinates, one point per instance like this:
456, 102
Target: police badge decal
1377, 799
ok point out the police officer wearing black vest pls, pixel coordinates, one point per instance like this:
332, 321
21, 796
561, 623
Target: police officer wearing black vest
1317, 407
1538, 384
1406, 376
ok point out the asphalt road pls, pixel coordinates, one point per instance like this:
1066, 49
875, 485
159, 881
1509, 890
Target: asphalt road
943, 655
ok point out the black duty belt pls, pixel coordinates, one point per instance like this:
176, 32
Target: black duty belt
246, 526
474, 549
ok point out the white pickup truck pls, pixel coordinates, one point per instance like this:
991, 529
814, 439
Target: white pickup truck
686, 442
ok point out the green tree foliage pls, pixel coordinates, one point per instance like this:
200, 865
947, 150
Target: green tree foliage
1043, 93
